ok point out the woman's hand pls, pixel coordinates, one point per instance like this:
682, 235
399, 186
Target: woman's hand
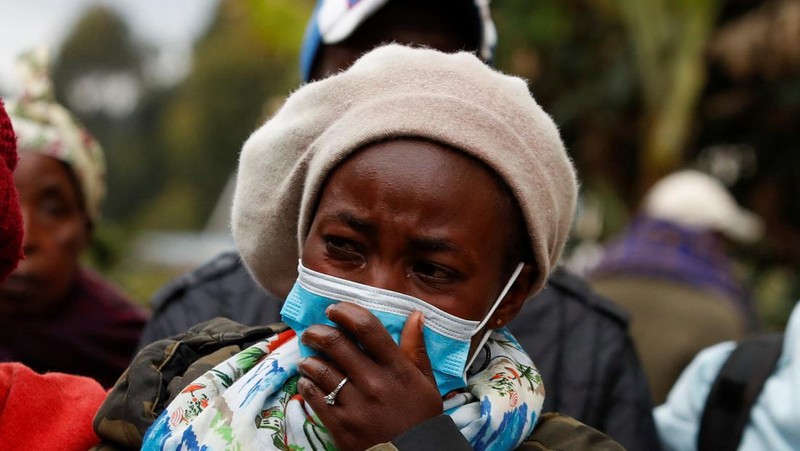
390, 388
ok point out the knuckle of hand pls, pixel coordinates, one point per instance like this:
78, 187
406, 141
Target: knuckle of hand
400, 376
372, 391
306, 387
334, 339
366, 326
325, 372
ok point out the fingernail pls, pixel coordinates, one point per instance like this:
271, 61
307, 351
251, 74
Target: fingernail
421, 321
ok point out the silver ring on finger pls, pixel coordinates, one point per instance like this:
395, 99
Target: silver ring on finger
330, 398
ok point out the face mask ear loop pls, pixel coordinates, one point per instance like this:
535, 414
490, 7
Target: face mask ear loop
489, 315
500, 298
477, 350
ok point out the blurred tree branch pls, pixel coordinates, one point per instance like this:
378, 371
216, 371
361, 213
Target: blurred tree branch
669, 38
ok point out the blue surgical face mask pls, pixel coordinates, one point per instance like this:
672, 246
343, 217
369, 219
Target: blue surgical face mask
447, 337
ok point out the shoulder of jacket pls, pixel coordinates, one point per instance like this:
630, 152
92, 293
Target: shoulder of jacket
555, 431
574, 288
223, 265
222, 331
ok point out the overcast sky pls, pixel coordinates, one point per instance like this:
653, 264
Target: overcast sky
171, 25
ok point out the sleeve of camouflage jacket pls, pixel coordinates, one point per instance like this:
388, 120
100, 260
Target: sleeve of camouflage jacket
161, 370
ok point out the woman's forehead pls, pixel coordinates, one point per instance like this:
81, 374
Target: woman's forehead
415, 154
36, 169
428, 176
424, 166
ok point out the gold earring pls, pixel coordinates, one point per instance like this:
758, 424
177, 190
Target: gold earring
498, 322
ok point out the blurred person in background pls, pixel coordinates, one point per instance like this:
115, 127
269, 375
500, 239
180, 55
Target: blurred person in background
37, 411
738, 396
578, 339
670, 268
55, 314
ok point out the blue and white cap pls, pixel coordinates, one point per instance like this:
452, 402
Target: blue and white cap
333, 21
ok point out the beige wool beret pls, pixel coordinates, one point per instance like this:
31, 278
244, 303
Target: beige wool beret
398, 92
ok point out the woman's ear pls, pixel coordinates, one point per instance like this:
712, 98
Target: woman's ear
516, 296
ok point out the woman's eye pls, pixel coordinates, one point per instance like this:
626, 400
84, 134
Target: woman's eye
342, 247
435, 273
54, 208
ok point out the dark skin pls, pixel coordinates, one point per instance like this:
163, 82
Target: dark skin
57, 230
417, 218
424, 24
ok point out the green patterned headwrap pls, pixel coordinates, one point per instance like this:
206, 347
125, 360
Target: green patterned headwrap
45, 127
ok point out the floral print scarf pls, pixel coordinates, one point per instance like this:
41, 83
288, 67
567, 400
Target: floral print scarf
250, 401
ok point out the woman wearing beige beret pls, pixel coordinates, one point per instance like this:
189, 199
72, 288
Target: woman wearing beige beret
406, 208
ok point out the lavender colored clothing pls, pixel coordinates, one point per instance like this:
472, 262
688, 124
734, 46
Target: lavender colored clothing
662, 250
94, 333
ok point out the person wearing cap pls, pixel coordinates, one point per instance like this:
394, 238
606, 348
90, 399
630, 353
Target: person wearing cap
32, 405
578, 338
384, 204
56, 315
341, 31
671, 270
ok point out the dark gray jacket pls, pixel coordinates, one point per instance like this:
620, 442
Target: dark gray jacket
578, 340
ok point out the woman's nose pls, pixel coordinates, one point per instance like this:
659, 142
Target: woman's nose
30, 237
387, 277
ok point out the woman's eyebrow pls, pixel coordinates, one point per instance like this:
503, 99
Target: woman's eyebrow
419, 243
350, 220
432, 244
52, 190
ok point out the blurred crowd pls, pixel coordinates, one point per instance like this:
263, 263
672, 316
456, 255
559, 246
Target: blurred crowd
657, 342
